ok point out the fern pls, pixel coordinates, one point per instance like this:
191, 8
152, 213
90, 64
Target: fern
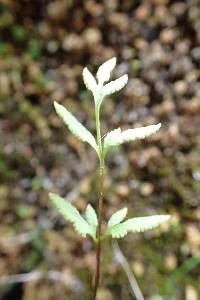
116, 227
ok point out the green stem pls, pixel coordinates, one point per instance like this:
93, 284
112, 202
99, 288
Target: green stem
98, 129
100, 208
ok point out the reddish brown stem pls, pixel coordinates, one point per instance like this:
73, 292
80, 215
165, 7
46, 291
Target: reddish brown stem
98, 248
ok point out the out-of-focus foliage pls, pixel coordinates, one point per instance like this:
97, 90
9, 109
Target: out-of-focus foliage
43, 48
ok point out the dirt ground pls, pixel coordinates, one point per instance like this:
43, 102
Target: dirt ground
44, 46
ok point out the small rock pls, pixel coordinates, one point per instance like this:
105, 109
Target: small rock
56, 10
168, 36
72, 42
138, 268
92, 36
85, 185
104, 294
191, 293
119, 20
180, 87
122, 190
142, 12
193, 235
171, 262
195, 52
146, 189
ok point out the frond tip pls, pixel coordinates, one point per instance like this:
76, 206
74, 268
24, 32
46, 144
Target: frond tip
117, 217
103, 73
89, 81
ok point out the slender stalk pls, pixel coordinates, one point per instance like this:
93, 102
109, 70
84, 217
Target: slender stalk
98, 247
100, 208
98, 129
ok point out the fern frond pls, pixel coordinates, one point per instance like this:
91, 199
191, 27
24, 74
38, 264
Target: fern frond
91, 216
115, 85
117, 137
89, 81
70, 213
139, 224
75, 126
139, 133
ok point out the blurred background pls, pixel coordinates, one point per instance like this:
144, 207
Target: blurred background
44, 46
